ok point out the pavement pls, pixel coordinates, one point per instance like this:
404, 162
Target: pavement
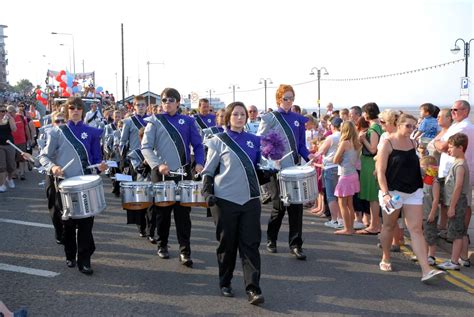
340, 277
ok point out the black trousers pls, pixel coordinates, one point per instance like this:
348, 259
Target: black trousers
295, 218
182, 220
81, 244
54, 206
238, 228
138, 217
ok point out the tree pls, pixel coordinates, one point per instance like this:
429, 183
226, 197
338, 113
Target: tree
24, 86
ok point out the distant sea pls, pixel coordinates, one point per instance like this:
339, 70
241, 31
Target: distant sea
413, 110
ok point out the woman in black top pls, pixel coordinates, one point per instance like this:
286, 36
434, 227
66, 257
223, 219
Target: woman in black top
399, 173
7, 152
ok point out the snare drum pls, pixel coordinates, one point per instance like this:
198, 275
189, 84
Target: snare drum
191, 194
164, 193
298, 185
82, 196
136, 195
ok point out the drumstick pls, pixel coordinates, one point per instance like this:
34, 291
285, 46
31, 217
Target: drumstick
19, 150
178, 173
67, 165
94, 165
286, 155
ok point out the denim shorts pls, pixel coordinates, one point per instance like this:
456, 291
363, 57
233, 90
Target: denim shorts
330, 178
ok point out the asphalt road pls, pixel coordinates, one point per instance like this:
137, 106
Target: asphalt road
340, 277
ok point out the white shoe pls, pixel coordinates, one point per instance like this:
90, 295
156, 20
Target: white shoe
448, 265
10, 183
431, 275
3, 188
331, 224
465, 263
340, 224
358, 225
431, 260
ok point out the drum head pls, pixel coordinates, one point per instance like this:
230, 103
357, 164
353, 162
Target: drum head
188, 183
79, 181
297, 170
135, 184
165, 184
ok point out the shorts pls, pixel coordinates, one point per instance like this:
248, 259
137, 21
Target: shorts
456, 225
330, 178
430, 231
415, 198
18, 156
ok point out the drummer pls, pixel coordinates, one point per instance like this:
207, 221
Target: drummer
204, 119
77, 141
166, 147
111, 133
219, 127
232, 161
130, 141
292, 126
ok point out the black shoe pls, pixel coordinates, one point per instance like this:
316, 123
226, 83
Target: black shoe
152, 240
298, 253
86, 270
163, 253
271, 246
59, 241
142, 234
185, 260
71, 263
227, 291
255, 298
266, 200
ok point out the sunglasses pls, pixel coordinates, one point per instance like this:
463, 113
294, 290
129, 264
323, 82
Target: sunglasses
59, 121
3, 111
169, 99
288, 98
74, 108
382, 122
456, 110
252, 111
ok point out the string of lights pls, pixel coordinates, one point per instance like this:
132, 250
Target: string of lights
357, 78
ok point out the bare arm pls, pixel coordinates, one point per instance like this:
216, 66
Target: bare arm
460, 171
381, 168
436, 193
340, 151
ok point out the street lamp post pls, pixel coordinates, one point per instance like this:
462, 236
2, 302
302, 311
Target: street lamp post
318, 73
64, 45
264, 82
233, 86
456, 49
210, 91
73, 50
148, 63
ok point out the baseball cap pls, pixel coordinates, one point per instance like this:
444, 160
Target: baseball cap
336, 122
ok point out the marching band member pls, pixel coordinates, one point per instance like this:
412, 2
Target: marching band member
166, 147
130, 141
94, 117
204, 119
232, 191
77, 141
219, 127
111, 133
292, 126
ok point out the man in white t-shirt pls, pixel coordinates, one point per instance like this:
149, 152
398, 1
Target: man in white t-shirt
461, 124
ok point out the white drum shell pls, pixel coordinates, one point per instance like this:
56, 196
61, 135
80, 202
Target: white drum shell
298, 185
138, 194
191, 193
164, 192
82, 196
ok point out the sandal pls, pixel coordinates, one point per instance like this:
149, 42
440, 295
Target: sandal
385, 266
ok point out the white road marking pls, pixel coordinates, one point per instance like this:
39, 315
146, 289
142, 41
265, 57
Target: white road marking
27, 270
26, 223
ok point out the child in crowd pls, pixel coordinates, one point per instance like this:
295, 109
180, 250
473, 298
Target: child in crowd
319, 206
457, 189
311, 132
344, 114
347, 156
428, 127
431, 193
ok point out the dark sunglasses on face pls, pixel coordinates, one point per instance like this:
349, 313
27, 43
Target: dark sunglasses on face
3, 111
59, 121
74, 108
169, 99
456, 110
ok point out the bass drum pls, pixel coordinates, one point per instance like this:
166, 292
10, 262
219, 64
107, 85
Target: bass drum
298, 185
136, 195
82, 196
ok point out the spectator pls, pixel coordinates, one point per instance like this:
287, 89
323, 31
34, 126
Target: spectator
21, 138
7, 152
345, 114
428, 126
